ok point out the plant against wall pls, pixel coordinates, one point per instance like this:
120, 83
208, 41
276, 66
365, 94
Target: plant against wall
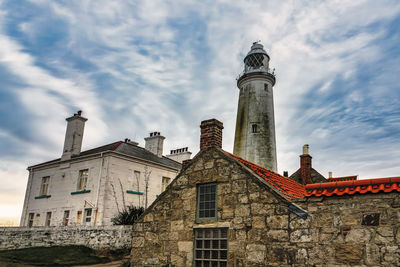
127, 216
147, 173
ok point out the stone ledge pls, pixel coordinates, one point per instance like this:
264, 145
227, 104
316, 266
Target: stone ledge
80, 192
134, 192
42, 196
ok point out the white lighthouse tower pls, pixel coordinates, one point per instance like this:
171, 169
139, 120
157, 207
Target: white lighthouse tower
255, 125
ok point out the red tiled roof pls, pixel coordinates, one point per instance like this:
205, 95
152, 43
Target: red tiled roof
344, 178
355, 186
289, 188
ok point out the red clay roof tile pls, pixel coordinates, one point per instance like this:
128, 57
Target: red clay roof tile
385, 185
291, 189
344, 178
288, 187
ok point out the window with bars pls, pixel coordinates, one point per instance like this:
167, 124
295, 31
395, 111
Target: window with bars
211, 247
207, 201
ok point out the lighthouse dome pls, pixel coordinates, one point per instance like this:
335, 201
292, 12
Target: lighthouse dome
256, 59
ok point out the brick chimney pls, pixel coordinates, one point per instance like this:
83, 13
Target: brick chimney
73, 136
305, 166
211, 134
155, 143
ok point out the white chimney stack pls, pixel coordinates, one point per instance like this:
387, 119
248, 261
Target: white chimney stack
330, 174
154, 143
306, 149
180, 154
73, 136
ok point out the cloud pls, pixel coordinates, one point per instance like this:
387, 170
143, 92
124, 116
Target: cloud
166, 65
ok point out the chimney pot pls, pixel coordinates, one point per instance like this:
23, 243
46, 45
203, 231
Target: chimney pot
306, 149
286, 174
305, 166
155, 143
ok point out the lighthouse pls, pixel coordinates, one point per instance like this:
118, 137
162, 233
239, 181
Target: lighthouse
255, 124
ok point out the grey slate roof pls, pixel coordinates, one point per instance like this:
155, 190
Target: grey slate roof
127, 149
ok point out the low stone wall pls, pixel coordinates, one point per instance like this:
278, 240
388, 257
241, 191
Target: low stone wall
99, 237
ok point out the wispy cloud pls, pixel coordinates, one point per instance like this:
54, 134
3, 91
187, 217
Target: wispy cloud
135, 67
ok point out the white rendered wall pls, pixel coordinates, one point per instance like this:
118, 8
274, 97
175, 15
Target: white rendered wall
63, 181
109, 179
122, 179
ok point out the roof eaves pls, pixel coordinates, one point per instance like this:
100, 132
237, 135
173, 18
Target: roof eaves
292, 206
339, 188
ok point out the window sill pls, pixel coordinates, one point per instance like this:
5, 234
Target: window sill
80, 192
42, 196
134, 192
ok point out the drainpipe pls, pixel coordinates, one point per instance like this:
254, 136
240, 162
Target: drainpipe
98, 186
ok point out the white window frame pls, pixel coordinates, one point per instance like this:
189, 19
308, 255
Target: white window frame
164, 183
48, 219
66, 217
83, 179
44, 187
87, 219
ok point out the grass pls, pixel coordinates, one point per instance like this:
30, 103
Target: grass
58, 256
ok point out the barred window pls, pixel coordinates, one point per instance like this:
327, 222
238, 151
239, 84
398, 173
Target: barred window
211, 247
207, 201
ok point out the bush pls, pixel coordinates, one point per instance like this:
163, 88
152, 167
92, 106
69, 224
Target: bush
128, 216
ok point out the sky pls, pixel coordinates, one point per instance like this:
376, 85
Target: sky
134, 67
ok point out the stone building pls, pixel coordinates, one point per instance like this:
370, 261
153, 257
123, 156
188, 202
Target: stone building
222, 210
90, 187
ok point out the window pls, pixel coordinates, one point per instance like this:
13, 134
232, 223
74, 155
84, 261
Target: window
79, 218
254, 128
211, 247
207, 201
66, 217
136, 181
37, 219
83, 177
165, 183
48, 219
45, 185
30, 219
88, 217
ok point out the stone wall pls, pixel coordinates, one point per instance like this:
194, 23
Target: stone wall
100, 237
262, 231
348, 230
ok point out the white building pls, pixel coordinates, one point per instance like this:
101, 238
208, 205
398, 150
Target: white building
90, 187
